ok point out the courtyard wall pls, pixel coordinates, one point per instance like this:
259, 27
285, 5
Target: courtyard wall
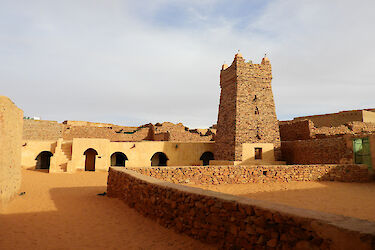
232, 222
257, 174
11, 125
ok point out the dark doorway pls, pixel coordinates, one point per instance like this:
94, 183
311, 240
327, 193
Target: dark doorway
258, 153
90, 159
207, 157
43, 160
118, 159
159, 159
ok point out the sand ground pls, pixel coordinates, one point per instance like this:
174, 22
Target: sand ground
349, 199
63, 211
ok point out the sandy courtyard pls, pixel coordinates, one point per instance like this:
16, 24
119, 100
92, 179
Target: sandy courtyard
63, 211
349, 199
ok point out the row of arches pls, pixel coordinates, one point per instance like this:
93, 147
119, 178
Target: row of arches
117, 159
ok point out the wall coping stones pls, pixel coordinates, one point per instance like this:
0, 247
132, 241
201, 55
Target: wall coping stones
326, 230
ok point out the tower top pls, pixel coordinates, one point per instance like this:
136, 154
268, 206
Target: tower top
265, 60
238, 54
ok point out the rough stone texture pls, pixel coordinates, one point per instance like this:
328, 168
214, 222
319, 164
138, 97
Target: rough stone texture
42, 130
336, 150
117, 133
296, 130
232, 222
257, 174
246, 110
11, 124
337, 119
52, 130
305, 129
178, 132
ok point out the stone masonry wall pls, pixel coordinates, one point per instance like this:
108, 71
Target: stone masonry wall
226, 121
246, 110
111, 133
11, 124
335, 150
305, 129
42, 130
296, 130
257, 174
231, 222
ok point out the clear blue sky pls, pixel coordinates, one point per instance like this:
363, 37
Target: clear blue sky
133, 62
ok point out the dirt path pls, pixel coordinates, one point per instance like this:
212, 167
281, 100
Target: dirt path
349, 199
63, 211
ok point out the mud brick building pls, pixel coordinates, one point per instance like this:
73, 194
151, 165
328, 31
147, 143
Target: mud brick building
247, 109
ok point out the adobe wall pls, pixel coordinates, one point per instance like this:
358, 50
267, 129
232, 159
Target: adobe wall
368, 116
257, 174
232, 222
334, 119
11, 126
139, 154
42, 130
335, 150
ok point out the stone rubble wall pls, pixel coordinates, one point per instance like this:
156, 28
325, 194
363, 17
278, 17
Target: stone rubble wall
257, 174
178, 132
11, 124
335, 150
42, 130
111, 133
305, 130
296, 130
232, 222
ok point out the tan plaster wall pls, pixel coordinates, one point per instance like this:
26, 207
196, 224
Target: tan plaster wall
11, 126
334, 119
32, 148
138, 153
80, 145
368, 116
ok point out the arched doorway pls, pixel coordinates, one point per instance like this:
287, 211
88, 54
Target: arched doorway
43, 160
159, 159
118, 159
90, 159
207, 157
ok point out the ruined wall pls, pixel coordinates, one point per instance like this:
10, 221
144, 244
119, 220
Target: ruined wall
110, 133
334, 119
247, 108
257, 174
336, 150
42, 130
178, 132
11, 125
232, 222
296, 130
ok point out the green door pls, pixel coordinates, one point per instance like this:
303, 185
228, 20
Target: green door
361, 148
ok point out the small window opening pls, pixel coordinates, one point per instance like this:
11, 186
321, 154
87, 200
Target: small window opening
264, 172
256, 111
258, 153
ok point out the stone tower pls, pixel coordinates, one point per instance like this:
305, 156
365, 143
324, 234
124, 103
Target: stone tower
247, 109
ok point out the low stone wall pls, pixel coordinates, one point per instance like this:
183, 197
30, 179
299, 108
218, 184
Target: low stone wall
255, 174
237, 222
